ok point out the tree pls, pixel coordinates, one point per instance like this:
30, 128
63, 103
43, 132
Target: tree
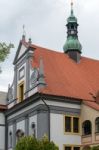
4, 51
31, 143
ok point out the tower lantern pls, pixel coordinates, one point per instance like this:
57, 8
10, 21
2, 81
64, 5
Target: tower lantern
72, 46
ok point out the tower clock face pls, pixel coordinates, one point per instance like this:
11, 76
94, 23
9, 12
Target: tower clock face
34, 76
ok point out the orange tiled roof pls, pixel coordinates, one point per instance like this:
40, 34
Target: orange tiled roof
93, 105
64, 77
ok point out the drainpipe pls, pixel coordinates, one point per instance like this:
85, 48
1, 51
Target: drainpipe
48, 108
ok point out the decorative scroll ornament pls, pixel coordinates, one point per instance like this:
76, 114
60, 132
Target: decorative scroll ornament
34, 76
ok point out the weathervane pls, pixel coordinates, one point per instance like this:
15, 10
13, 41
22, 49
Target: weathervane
71, 3
24, 33
72, 7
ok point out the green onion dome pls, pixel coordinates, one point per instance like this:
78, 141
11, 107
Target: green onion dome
72, 18
71, 44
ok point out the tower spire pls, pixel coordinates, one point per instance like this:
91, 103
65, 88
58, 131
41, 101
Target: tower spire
72, 7
72, 46
24, 33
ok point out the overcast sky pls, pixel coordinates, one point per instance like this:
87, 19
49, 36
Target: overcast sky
44, 22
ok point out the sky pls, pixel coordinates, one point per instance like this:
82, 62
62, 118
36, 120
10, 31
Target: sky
45, 22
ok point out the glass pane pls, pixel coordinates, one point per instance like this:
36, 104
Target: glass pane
68, 148
76, 125
87, 127
67, 124
97, 125
76, 148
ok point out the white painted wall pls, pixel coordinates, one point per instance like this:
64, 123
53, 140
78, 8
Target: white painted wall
25, 109
20, 125
63, 104
22, 50
57, 132
31, 120
2, 131
2, 118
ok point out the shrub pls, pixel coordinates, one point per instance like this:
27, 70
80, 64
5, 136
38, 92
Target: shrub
87, 148
95, 148
27, 143
31, 143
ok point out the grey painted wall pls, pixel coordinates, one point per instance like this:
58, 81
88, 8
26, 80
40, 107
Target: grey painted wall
42, 124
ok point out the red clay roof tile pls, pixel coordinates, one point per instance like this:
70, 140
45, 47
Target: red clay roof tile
64, 77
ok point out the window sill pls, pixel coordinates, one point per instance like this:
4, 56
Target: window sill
72, 133
96, 133
85, 136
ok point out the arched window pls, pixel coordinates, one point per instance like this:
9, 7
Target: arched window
10, 139
97, 125
87, 127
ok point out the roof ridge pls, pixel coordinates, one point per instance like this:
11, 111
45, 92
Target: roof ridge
45, 48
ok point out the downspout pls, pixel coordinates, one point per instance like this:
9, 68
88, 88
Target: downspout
48, 108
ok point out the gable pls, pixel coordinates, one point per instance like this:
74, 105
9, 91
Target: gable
20, 51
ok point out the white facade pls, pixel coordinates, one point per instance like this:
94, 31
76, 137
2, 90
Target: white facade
58, 135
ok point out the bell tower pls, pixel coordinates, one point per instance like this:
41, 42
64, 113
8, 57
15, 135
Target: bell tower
72, 46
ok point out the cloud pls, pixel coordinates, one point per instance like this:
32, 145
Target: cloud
45, 23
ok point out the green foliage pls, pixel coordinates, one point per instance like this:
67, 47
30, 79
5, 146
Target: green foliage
46, 145
27, 143
95, 148
4, 50
87, 148
31, 143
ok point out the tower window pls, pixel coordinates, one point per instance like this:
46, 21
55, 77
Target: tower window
72, 26
21, 91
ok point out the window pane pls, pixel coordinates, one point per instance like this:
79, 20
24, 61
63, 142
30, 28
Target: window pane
67, 124
97, 125
76, 148
68, 148
87, 127
76, 125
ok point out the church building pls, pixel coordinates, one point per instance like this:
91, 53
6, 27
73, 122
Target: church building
52, 93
